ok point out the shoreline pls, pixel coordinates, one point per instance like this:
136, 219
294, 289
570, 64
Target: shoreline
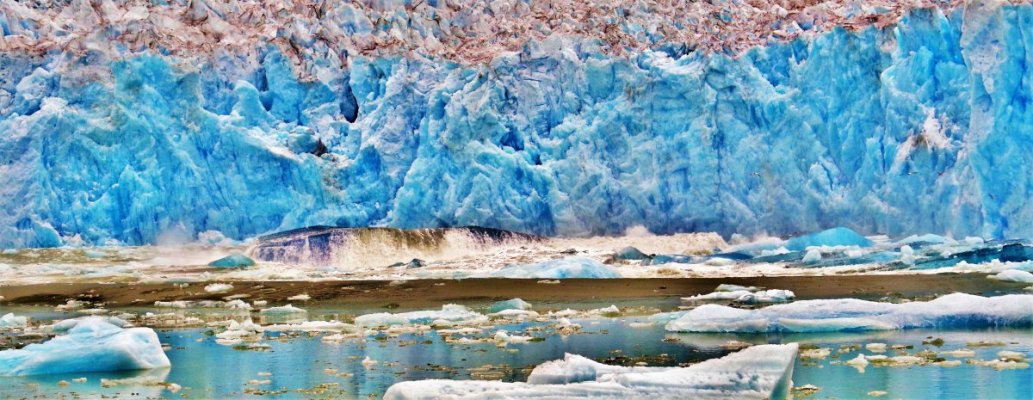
416, 293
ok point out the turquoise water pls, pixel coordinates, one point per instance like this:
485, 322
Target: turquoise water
302, 366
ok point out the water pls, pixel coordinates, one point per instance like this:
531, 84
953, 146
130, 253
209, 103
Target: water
302, 366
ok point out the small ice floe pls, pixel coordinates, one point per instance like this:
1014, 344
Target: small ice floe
300, 297
1000, 364
611, 311
449, 315
283, 310
564, 268
959, 353
239, 332
876, 347
815, 354
70, 305
1013, 275
859, 362
218, 288
758, 372
503, 338
368, 362
745, 295
956, 310
511, 304
10, 321
87, 345
564, 327
1005, 355
518, 315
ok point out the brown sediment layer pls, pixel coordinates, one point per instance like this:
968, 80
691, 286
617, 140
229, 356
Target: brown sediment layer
420, 293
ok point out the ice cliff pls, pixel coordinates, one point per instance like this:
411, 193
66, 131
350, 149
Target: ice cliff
145, 122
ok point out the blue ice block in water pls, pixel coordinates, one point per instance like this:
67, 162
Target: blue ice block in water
233, 261
89, 345
830, 237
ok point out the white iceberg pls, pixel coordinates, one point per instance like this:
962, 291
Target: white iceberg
511, 304
1013, 275
758, 372
10, 320
90, 345
564, 268
956, 310
743, 294
449, 315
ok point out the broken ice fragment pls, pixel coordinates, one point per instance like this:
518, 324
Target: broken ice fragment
90, 345
233, 261
831, 237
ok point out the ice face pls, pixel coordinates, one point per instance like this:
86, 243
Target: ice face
911, 129
830, 237
758, 372
564, 268
956, 310
89, 345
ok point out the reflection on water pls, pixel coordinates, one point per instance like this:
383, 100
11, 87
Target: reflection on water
302, 366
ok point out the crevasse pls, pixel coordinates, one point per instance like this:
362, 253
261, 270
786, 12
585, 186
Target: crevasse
923, 126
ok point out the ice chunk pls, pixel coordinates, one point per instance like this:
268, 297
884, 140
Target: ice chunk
218, 288
10, 320
956, 310
747, 295
1013, 275
831, 237
574, 368
564, 268
630, 254
511, 304
233, 261
758, 372
90, 345
450, 314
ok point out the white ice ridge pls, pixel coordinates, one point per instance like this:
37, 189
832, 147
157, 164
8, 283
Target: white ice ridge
450, 314
956, 310
758, 372
89, 345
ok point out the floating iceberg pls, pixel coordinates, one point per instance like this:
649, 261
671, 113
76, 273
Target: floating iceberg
511, 304
1013, 275
758, 372
956, 310
449, 315
830, 237
746, 295
564, 268
89, 345
10, 320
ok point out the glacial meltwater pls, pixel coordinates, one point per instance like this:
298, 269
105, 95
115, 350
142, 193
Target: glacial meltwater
958, 364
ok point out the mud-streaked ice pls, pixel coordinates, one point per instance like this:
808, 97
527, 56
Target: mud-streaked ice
758, 372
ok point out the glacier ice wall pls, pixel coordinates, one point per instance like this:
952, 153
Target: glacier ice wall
922, 126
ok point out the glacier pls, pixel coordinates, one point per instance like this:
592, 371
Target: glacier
921, 125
